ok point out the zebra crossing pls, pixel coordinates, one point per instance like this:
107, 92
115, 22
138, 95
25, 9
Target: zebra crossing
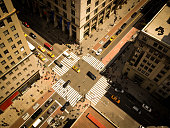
67, 64
98, 90
98, 65
68, 93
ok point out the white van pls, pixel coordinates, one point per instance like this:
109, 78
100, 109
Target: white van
37, 122
66, 55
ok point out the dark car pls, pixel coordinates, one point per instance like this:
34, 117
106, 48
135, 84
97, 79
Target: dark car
32, 35
36, 113
134, 14
64, 106
106, 44
91, 75
48, 102
123, 26
118, 32
66, 83
58, 63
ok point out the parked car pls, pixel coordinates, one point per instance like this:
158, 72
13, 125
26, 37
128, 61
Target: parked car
25, 24
116, 99
58, 63
64, 106
32, 35
118, 32
35, 115
76, 69
137, 109
66, 55
91, 75
123, 26
98, 52
66, 83
50, 54
50, 100
106, 44
146, 107
41, 49
42, 58
48, 46
113, 37
134, 14
131, 98
119, 90
50, 110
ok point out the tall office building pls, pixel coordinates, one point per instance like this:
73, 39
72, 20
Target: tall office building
149, 63
17, 68
78, 18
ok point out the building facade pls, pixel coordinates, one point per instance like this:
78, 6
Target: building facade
16, 59
78, 18
149, 64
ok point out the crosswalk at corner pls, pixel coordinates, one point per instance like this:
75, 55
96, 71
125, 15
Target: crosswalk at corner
68, 93
97, 64
98, 90
67, 64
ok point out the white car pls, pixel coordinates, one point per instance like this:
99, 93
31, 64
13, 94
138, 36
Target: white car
98, 52
146, 107
119, 90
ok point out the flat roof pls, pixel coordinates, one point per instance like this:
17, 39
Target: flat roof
159, 21
85, 122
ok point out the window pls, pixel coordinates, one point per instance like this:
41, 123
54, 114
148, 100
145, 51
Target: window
149, 70
7, 92
88, 10
96, 10
148, 63
148, 88
2, 45
143, 71
9, 57
16, 35
64, 6
155, 44
141, 65
160, 47
22, 79
72, 12
9, 19
25, 69
7, 67
27, 59
88, 2
166, 67
159, 76
24, 54
73, 3
13, 46
28, 75
0, 56
32, 71
19, 74
146, 74
96, 3
16, 68
10, 73
12, 88
16, 52
156, 80
29, 65
14, 78
56, 9
153, 66
155, 53
139, 69
8, 83
145, 67
22, 64
12, 63
56, 1
148, 56
18, 83
19, 42
150, 50
13, 28
22, 48
152, 58
4, 78
87, 17
3, 87
73, 20
10, 40
3, 7
6, 51
165, 50
144, 61
65, 15
74, 28
2, 24
144, 38
48, 4
156, 61
19, 58
3, 62
6, 32
103, 4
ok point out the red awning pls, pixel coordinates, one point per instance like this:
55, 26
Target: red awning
8, 102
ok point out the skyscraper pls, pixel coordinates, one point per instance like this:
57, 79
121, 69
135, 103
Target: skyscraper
149, 63
17, 69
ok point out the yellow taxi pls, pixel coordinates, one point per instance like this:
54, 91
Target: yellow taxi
41, 57
113, 37
50, 54
116, 99
25, 35
76, 69
41, 48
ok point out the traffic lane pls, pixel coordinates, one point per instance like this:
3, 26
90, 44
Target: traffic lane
80, 81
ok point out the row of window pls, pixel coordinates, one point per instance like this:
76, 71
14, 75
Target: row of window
3, 7
2, 24
156, 45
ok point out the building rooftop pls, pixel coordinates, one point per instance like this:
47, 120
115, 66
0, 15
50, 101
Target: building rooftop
159, 26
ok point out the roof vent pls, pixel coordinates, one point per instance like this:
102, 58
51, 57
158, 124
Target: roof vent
160, 30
